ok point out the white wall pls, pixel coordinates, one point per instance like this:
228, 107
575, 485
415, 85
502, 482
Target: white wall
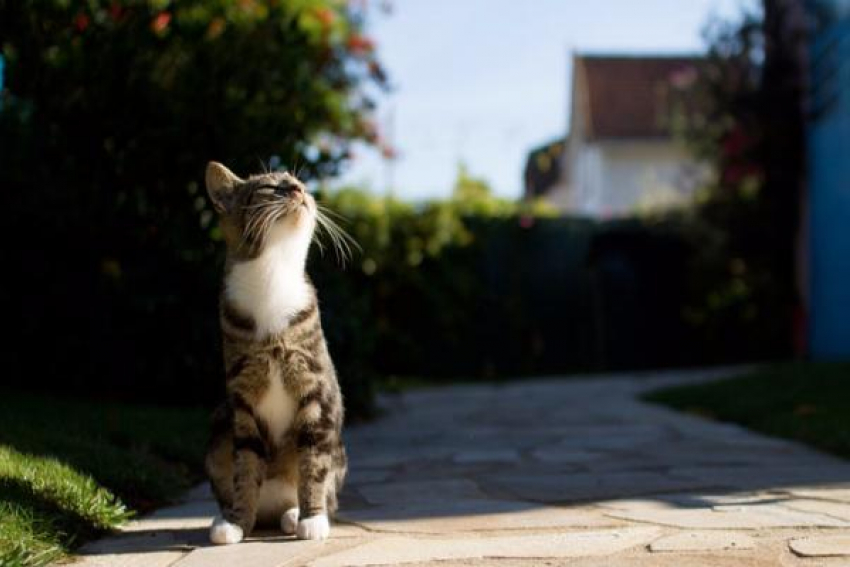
612, 178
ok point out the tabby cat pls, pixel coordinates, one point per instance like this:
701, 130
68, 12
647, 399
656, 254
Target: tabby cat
276, 453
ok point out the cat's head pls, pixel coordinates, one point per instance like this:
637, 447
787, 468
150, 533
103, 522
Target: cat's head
261, 211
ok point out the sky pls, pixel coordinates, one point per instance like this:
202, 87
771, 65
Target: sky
482, 82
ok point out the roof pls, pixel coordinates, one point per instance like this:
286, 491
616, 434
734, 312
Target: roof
629, 96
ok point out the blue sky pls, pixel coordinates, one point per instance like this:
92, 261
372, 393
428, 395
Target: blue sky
484, 81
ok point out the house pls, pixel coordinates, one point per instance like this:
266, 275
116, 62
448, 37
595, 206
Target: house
826, 244
620, 154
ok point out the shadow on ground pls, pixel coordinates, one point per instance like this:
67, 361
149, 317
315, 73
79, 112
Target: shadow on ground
551, 458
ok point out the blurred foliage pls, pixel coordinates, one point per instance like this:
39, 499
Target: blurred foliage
543, 167
110, 111
476, 287
472, 196
412, 290
742, 114
112, 108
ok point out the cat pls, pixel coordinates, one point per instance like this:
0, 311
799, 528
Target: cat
276, 452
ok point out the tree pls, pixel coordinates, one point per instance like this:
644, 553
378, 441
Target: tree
746, 118
110, 111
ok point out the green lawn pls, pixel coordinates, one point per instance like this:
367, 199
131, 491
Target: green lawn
71, 470
809, 402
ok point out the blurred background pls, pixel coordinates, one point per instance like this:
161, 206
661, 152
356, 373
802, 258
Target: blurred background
537, 188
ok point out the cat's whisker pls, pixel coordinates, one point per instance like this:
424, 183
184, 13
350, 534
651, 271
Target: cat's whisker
260, 220
330, 212
323, 232
340, 239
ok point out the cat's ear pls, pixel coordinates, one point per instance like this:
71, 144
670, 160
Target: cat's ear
221, 183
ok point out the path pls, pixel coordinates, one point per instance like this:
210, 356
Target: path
549, 472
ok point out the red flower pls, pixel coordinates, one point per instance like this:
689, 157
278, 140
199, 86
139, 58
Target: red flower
81, 22
360, 44
215, 28
116, 11
736, 172
388, 152
736, 142
160, 22
326, 16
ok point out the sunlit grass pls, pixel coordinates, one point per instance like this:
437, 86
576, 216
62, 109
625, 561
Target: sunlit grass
46, 506
70, 471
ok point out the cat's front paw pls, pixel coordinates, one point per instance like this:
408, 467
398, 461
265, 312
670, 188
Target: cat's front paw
314, 527
289, 521
223, 532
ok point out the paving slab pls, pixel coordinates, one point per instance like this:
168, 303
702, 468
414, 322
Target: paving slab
566, 454
837, 493
186, 517
702, 541
476, 456
420, 491
137, 542
741, 518
147, 559
200, 492
689, 500
580, 487
768, 474
574, 472
397, 551
367, 476
709, 559
476, 515
837, 545
252, 553
838, 510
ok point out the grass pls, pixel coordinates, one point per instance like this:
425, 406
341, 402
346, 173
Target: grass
73, 470
808, 402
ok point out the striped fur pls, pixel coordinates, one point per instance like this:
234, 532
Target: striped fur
276, 441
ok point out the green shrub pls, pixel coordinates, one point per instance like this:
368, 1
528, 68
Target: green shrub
69, 467
110, 111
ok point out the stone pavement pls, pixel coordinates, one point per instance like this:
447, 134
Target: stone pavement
545, 472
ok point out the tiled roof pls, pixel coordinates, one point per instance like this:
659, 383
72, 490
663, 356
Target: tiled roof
629, 96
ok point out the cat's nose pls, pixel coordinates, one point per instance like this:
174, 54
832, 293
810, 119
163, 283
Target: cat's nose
290, 188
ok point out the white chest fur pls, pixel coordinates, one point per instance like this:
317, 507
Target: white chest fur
272, 287
276, 409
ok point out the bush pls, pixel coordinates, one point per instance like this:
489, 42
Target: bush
468, 289
110, 112
747, 121
113, 108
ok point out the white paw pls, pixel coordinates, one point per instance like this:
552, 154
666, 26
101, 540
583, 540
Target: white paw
289, 521
223, 532
314, 527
